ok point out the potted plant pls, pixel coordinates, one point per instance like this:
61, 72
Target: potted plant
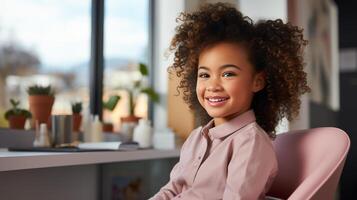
41, 100
17, 116
110, 105
77, 116
133, 92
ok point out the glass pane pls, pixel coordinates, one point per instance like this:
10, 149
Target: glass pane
48, 43
125, 45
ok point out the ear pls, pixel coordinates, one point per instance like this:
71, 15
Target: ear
259, 81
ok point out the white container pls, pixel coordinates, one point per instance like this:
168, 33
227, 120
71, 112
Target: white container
97, 130
42, 138
164, 139
127, 129
143, 134
87, 126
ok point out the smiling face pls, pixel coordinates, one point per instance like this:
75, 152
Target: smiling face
226, 81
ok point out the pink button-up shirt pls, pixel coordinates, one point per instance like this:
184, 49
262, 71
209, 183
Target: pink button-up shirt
234, 160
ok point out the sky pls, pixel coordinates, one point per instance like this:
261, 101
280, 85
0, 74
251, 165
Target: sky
59, 31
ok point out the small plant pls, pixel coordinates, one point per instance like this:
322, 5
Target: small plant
140, 87
15, 111
40, 90
76, 107
77, 117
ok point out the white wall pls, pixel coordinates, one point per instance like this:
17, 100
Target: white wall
164, 20
260, 9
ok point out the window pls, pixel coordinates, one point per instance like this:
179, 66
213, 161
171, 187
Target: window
126, 44
44, 42
48, 42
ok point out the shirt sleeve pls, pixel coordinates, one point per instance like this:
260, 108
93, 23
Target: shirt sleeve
174, 186
251, 170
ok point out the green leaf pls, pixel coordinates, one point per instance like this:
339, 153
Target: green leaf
151, 93
76, 107
111, 103
143, 69
40, 90
20, 112
14, 103
16, 111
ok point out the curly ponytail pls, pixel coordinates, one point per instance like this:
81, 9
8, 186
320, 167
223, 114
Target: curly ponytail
277, 49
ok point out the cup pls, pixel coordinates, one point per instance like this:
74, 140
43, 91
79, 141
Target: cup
127, 129
61, 130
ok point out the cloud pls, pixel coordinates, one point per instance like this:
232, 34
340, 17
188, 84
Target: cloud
124, 37
59, 31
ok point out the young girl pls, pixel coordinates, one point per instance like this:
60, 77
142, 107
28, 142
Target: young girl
241, 79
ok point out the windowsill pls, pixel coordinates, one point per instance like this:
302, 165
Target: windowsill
10, 161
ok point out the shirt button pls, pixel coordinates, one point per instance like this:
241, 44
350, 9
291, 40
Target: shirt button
179, 196
199, 157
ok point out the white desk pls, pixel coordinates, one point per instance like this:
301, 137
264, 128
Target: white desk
53, 175
10, 161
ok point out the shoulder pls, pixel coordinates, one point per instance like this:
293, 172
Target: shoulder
254, 142
254, 132
252, 146
254, 135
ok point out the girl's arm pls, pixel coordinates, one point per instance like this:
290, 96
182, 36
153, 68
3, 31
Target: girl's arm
175, 186
252, 169
172, 188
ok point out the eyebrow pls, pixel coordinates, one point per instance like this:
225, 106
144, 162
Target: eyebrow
221, 67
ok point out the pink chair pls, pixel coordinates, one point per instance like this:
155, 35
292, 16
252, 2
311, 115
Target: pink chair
310, 163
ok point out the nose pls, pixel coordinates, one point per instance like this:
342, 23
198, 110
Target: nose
214, 85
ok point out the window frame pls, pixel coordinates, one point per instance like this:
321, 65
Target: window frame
97, 56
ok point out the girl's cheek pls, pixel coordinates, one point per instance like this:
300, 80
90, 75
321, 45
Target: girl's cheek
200, 93
200, 90
198, 87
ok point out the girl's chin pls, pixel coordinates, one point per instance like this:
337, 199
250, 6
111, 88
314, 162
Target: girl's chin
223, 115
218, 115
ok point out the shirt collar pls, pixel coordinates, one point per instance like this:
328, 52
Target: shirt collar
229, 127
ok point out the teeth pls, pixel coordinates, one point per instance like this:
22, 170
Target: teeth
216, 100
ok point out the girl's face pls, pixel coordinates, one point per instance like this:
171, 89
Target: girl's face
226, 81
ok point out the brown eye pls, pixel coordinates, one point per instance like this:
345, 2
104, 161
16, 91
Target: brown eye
203, 75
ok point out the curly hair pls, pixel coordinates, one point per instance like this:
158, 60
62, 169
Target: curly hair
273, 47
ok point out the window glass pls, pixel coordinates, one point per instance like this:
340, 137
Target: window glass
125, 46
48, 43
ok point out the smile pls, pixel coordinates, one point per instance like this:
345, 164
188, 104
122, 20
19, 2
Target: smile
217, 101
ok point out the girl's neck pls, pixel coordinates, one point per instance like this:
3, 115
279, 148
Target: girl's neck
221, 120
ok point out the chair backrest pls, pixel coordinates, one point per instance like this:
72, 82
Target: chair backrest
310, 163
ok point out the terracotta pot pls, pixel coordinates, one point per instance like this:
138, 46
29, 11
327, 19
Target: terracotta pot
17, 122
130, 118
77, 120
41, 107
108, 127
